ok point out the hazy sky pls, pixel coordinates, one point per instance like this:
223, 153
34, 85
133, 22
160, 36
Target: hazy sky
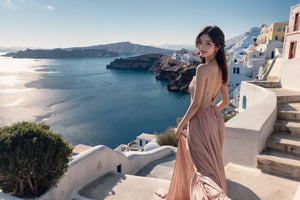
69, 23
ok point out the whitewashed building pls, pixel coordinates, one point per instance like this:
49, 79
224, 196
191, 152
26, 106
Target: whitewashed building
290, 69
186, 56
143, 139
292, 38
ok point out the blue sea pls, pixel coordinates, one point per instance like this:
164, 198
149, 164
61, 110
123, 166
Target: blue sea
84, 101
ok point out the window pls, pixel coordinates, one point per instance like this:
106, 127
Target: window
236, 70
279, 29
292, 50
141, 143
297, 22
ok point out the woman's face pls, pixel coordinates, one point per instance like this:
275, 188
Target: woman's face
206, 47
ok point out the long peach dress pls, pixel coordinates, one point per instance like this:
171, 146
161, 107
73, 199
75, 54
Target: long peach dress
206, 179
205, 142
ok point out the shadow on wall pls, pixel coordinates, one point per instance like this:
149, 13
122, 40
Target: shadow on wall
237, 191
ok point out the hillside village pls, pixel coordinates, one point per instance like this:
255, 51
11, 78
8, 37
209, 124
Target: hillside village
262, 144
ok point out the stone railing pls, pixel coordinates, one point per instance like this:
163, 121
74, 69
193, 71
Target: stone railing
246, 133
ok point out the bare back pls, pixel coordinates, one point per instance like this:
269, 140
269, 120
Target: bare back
212, 83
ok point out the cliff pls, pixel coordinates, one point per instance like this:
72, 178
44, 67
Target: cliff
177, 73
144, 62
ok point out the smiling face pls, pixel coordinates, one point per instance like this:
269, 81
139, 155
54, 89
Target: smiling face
207, 48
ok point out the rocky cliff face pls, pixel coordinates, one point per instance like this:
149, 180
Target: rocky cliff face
177, 73
144, 62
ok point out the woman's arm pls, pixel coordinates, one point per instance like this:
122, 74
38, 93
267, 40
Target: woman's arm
224, 97
201, 76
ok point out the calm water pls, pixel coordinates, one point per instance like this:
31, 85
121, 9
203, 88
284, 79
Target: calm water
86, 102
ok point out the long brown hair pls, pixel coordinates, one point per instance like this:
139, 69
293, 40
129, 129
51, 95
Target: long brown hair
218, 38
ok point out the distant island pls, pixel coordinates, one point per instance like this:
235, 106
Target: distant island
129, 48
107, 50
61, 53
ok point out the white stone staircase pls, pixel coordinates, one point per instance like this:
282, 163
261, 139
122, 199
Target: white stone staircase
282, 153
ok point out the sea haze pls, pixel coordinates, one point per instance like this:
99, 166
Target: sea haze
84, 101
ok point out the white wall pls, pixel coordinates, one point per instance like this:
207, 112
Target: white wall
139, 159
95, 162
288, 40
246, 133
272, 45
86, 167
253, 66
290, 74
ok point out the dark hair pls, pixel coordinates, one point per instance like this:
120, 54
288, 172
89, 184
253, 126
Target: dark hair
218, 38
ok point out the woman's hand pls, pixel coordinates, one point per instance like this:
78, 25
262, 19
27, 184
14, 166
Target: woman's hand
178, 132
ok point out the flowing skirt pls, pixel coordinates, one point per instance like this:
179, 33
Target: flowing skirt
199, 171
205, 143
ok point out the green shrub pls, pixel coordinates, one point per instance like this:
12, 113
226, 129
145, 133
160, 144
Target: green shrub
167, 137
32, 159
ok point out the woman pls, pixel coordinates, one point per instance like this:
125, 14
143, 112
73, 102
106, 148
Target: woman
204, 122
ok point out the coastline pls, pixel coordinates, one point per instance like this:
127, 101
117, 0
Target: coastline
84, 101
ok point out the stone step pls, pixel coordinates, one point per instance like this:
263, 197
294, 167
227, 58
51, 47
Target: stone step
248, 183
290, 127
280, 163
284, 143
273, 79
266, 84
288, 99
289, 111
286, 96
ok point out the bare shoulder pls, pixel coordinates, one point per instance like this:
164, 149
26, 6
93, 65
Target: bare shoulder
202, 69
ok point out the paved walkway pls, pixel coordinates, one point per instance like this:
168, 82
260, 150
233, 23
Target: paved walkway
252, 184
243, 184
